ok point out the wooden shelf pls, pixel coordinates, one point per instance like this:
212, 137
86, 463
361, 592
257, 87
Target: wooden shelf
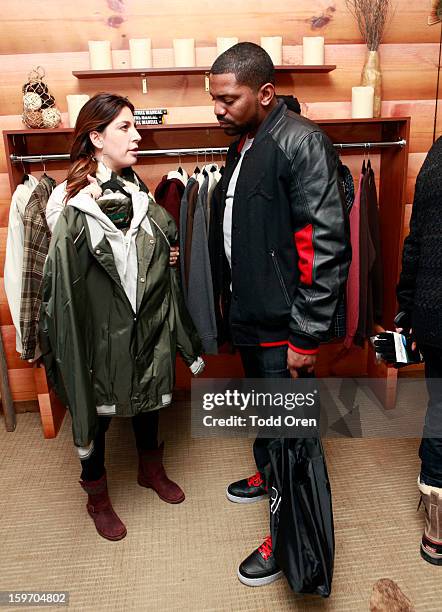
212, 126
128, 72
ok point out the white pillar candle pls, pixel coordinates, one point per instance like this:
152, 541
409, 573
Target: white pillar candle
75, 104
273, 46
362, 102
313, 50
222, 44
100, 56
184, 52
140, 52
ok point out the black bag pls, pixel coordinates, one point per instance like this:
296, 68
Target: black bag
301, 515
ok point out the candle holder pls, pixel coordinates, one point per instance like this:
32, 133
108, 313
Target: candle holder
140, 52
100, 55
362, 99
273, 46
313, 51
184, 52
223, 43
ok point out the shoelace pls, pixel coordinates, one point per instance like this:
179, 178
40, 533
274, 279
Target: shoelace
266, 548
255, 480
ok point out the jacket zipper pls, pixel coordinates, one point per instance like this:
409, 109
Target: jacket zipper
280, 277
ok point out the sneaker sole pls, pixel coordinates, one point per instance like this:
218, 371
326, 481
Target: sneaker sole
254, 582
426, 556
244, 500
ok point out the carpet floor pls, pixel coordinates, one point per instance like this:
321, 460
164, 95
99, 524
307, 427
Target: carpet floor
185, 557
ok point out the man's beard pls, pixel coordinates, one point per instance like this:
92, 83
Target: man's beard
233, 129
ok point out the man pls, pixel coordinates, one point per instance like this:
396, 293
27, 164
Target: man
279, 242
419, 294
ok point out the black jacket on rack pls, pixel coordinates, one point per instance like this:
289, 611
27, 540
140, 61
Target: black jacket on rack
290, 235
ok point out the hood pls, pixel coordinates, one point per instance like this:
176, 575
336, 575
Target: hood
100, 225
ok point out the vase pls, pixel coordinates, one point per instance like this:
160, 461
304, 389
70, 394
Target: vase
371, 75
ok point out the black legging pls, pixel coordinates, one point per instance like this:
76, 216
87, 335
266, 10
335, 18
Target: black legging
145, 427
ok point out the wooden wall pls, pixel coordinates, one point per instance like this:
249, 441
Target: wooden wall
54, 34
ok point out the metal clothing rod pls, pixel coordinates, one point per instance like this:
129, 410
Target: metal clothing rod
148, 153
198, 151
370, 145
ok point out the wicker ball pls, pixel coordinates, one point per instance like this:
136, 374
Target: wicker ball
51, 117
33, 119
31, 101
37, 87
47, 101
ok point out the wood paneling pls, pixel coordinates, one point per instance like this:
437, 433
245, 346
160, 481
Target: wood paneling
67, 26
401, 66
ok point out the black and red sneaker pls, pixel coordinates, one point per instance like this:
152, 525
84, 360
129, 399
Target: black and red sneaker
431, 551
260, 567
247, 490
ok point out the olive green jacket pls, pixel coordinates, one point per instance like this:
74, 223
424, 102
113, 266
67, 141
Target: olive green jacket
97, 351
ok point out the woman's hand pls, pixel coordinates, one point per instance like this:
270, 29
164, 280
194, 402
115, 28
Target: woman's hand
93, 188
174, 254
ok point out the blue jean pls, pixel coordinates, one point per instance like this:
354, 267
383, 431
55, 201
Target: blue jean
430, 450
264, 362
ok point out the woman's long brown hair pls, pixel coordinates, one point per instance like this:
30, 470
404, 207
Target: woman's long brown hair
95, 115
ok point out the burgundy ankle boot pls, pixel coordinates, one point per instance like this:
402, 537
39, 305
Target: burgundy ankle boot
151, 474
100, 509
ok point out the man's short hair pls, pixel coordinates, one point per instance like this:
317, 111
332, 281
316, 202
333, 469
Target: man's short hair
250, 63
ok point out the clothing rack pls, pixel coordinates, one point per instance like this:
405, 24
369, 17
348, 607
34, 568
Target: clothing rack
200, 151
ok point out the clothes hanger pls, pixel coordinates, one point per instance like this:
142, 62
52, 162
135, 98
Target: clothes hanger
43, 164
25, 176
180, 169
214, 166
363, 161
197, 169
179, 174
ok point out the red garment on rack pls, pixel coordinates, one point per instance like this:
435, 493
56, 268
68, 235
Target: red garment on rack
168, 194
354, 271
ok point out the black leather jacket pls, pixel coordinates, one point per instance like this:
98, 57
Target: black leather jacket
290, 236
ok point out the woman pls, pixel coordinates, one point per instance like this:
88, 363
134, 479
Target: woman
112, 314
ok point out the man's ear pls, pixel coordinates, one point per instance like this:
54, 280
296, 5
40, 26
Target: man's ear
266, 94
96, 139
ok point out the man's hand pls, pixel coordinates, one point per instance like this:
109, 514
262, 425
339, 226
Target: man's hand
299, 364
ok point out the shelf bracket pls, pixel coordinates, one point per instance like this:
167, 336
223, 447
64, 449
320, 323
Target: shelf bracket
206, 81
143, 83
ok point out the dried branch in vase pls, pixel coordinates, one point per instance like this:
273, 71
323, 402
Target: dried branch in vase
436, 12
371, 17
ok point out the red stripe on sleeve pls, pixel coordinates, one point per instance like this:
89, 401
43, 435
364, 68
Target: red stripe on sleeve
303, 351
304, 245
